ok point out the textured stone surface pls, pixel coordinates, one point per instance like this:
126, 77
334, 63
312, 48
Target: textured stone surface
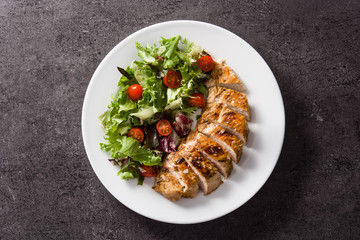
49, 51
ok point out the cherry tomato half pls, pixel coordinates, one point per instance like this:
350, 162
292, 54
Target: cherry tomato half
206, 63
134, 92
150, 171
164, 127
197, 100
172, 79
136, 133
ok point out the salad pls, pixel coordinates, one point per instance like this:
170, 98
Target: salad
152, 109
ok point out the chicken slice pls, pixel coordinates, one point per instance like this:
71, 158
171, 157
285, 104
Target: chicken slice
211, 150
237, 101
233, 122
178, 167
167, 185
222, 136
209, 176
222, 75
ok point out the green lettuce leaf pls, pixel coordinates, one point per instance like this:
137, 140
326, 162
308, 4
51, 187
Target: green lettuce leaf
171, 45
175, 104
123, 146
130, 171
147, 53
144, 113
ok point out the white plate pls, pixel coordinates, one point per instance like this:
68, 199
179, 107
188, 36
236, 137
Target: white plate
265, 140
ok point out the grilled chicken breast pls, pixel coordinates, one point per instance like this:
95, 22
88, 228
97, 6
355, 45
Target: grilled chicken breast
222, 136
223, 76
227, 118
209, 176
211, 150
237, 101
168, 185
178, 167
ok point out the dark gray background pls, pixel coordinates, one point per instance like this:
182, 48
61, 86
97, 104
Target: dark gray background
48, 53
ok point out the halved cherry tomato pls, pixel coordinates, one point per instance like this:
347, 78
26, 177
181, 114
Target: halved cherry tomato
197, 100
134, 92
164, 127
150, 171
172, 79
136, 133
206, 63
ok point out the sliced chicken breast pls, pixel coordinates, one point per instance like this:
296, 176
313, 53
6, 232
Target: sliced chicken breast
222, 75
211, 150
222, 136
235, 100
209, 176
178, 167
168, 185
233, 122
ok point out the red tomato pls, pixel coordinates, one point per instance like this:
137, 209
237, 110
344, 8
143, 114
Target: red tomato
197, 100
136, 133
150, 171
134, 92
172, 79
206, 63
164, 127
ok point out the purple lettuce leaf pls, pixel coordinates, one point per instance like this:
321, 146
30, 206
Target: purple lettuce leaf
167, 144
182, 125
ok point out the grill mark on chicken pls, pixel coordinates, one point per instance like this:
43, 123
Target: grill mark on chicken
180, 160
199, 164
213, 150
